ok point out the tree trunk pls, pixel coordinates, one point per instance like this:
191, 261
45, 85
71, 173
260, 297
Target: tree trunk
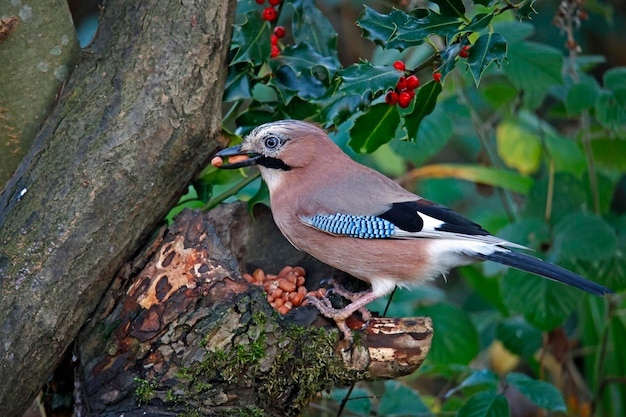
182, 332
138, 118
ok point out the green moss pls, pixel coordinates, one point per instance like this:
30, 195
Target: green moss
145, 390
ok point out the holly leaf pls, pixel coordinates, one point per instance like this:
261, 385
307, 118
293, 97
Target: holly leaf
451, 7
425, 101
490, 47
363, 78
524, 9
311, 27
251, 38
479, 22
238, 83
401, 30
304, 71
374, 128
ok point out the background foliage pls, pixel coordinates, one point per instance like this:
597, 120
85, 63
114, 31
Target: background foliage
525, 135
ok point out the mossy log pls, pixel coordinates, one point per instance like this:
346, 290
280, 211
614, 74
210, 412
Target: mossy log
182, 332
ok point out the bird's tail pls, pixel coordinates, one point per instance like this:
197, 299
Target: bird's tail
545, 269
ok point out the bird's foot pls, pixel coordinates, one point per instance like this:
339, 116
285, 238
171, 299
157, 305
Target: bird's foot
341, 315
339, 289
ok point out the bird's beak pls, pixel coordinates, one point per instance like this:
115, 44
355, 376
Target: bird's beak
236, 157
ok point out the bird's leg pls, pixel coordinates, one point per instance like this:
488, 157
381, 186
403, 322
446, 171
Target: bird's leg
340, 315
352, 296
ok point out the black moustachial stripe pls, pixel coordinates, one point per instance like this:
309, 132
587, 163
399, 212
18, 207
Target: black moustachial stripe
274, 163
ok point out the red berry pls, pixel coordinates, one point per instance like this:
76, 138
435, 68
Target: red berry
465, 47
274, 2
391, 98
437, 77
412, 82
411, 93
463, 54
401, 84
399, 65
269, 13
279, 31
274, 39
260, 1
275, 51
404, 99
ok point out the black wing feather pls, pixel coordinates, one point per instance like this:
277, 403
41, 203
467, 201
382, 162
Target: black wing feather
406, 216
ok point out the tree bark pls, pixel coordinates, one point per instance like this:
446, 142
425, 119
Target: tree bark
36, 57
138, 118
182, 332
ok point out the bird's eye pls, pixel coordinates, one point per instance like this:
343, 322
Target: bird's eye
271, 142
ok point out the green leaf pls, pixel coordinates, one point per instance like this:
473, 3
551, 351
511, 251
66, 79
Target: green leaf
615, 80
482, 380
544, 303
363, 78
359, 402
479, 22
401, 30
609, 111
610, 154
487, 288
400, 400
565, 153
432, 23
584, 236
374, 128
518, 146
485, 404
303, 71
519, 337
534, 67
490, 47
425, 101
572, 195
582, 96
338, 108
432, 136
312, 28
451, 7
238, 83
455, 339
543, 394
525, 9
252, 39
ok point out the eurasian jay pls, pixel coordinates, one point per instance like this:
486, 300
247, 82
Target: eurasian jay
357, 220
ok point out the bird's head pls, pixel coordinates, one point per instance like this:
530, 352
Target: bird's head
282, 145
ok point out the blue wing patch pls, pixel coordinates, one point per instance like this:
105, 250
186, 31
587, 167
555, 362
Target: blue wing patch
363, 227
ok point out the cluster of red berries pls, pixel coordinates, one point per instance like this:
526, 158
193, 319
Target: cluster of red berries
464, 51
270, 13
279, 32
404, 91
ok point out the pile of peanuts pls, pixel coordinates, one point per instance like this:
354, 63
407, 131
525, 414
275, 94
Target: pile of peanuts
285, 290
